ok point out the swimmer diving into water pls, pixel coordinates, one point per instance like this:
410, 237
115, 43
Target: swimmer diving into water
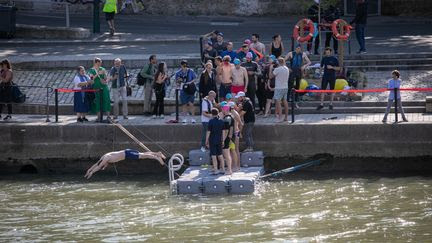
116, 156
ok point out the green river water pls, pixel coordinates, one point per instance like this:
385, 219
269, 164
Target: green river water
137, 209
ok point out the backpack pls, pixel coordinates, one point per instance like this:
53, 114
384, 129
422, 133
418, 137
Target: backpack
140, 79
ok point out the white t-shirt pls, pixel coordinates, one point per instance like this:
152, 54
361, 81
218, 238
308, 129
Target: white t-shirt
281, 74
205, 108
76, 81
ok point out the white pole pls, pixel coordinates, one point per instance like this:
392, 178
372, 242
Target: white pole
67, 15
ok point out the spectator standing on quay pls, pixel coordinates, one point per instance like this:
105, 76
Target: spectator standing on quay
257, 45
239, 78
99, 76
206, 115
230, 52
118, 76
360, 21
159, 86
313, 15
253, 70
248, 114
226, 78
212, 36
269, 84
214, 140
6, 77
186, 78
330, 15
241, 55
220, 45
209, 53
276, 47
330, 64
81, 103
298, 63
281, 74
207, 80
148, 73
394, 83
110, 10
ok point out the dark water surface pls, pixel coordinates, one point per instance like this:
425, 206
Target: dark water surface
138, 208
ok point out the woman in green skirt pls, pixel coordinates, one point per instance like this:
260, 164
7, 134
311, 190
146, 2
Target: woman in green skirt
99, 77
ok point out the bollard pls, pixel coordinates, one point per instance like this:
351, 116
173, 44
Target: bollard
100, 105
56, 104
293, 91
177, 104
396, 111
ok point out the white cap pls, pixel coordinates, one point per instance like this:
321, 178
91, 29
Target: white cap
240, 94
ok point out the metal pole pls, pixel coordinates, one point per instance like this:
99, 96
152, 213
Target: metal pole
96, 20
67, 15
177, 104
396, 111
56, 104
100, 105
293, 91
47, 105
319, 30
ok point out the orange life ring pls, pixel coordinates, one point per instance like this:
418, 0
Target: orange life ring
309, 25
346, 29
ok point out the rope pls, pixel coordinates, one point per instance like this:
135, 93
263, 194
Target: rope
130, 135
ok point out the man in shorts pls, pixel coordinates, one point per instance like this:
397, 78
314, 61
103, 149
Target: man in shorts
110, 9
225, 77
240, 79
281, 74
330, 64
214, 140
116, 156
186, 78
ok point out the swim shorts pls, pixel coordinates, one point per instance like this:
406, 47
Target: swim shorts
232, 145
131, 154
215, 149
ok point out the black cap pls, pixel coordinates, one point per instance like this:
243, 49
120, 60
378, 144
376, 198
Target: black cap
184, 62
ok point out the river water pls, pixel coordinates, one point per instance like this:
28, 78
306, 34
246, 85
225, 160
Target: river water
137, 209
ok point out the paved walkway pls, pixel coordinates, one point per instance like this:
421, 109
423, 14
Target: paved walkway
309, 119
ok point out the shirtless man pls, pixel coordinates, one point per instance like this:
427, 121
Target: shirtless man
116, 156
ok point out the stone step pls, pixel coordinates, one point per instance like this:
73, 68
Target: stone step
372, 104
343, 110
392, 67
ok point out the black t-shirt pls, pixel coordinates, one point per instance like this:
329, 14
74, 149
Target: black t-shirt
215, 127
331, 60
229, 124
249, 116
251, 66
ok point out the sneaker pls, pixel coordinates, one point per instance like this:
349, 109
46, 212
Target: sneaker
115, 117
214, 172
384, 120
85, 119
162, 117
320, 107
8, 117
193, 121
78, 119
184, 121
125, 117
154, 117
405, 119
330, 107
203, 149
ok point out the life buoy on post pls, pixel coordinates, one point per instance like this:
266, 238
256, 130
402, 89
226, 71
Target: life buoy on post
346, 29
308, 24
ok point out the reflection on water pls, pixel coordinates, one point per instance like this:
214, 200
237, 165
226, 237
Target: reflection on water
128, 209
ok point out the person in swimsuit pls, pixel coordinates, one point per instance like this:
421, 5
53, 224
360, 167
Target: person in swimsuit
116, 156
276, 47
238, 125
228, 136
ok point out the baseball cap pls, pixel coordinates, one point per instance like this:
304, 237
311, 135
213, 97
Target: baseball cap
220, 33
247, 42
226, 107
228, 96
236, 61
184, 62
273, 57
223, 103
209, 42
240, 94
231, 104
249, 55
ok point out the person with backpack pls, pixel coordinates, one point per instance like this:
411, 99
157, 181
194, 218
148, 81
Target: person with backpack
145, 78
298, 63
185, 78
206, 107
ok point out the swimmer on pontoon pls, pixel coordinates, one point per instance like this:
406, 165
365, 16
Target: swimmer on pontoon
116, 156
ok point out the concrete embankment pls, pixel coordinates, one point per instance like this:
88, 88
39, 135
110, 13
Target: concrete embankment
71, 148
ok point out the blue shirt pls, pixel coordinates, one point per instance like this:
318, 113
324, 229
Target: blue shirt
333, 61
186, 77
215, 127
232, 54
392, 84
